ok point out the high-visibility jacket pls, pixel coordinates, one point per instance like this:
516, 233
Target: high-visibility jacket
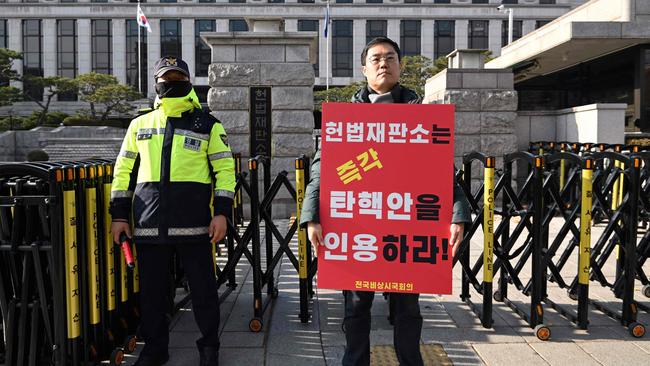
174, 164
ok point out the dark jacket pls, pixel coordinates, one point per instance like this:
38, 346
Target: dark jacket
310, 207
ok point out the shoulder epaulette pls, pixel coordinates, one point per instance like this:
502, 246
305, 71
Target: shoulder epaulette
143, 111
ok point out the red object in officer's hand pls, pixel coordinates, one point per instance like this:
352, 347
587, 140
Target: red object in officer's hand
125, 243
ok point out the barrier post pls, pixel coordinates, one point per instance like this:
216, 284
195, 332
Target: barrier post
562, 167
538, 262
255, 324
488, 240
584, 255
71, 263
464, 257
302, 242
92, 258
629, 313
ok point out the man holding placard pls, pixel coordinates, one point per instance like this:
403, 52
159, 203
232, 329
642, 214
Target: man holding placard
387, 196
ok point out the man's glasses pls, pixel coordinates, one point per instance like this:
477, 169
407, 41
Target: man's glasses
389, 59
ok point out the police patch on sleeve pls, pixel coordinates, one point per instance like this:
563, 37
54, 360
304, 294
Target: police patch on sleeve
192, 144
224, 138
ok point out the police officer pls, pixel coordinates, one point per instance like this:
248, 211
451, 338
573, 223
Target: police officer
174, 164
380, 61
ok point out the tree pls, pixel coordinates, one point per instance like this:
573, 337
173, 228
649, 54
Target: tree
8, 94
53, 86
336, 94
103, 89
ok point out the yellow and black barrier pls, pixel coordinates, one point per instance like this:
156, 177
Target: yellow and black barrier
57, 253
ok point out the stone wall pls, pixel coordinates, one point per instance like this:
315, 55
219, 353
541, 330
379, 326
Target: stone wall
486, 110
14, 145
276, 59
589, 123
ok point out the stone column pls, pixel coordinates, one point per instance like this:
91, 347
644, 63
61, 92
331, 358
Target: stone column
427, 38
187, 42
358, 43
461, 33
49, 47
494, 37
266, 56
527, 26
486, 110
118, 35
291, 25
153, 50
223, 25
15, 42
392, 30
84, 46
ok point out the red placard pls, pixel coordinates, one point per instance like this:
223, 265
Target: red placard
386, 197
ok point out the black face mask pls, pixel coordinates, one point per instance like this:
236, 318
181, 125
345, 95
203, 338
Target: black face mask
173, 89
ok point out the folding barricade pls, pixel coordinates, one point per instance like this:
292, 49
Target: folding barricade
250, 234
643, 248
528, 207
616, 193
57, 266
567, 193
482, 205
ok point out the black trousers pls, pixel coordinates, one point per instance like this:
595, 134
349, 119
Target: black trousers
153, 263
406, 335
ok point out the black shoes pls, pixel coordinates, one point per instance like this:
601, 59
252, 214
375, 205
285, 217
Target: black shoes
209, 356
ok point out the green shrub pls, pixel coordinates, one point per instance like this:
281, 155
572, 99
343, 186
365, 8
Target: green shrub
37, 155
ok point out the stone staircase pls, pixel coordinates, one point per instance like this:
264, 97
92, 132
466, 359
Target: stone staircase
81, 148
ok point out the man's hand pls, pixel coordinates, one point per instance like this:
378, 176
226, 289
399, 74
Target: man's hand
315, 235
218, 228
119, 227
456, 231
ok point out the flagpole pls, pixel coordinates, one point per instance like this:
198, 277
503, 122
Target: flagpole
139, 56
327, 54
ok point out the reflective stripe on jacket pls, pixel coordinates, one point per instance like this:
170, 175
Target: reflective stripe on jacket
174, 164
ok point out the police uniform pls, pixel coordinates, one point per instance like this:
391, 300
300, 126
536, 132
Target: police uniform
174, 172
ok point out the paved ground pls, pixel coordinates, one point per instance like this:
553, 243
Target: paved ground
447, 321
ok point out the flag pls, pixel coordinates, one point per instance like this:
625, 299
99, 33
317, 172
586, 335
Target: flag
142, 20
327, 20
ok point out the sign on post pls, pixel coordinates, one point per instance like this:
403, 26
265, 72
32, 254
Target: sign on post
260, 121
386, 197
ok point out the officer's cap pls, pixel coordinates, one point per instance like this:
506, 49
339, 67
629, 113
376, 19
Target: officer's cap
169, 63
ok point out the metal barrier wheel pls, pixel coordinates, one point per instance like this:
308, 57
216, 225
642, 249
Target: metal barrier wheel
497, 296
130, 344
646, 290
637, 330
255, 325
117, 357
343, 326
543, 332
572, 295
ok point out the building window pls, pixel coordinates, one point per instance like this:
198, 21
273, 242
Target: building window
132, 56
168, 1
68, 1
306, 1
376, 28
444, 37
276, 1
66, 42
344, 1
310, 25
410, 32
374, 1
342, 48
98, 1
3, 33
442, 1
509, 1
478, 34
236, 1
480, 1
207, 1
517, 26
32, 56
170, 38
102, 46
237, 25
547, 1
203, 53
412, 1
541, 23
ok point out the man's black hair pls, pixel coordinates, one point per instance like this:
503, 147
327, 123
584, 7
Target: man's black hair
376, 41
